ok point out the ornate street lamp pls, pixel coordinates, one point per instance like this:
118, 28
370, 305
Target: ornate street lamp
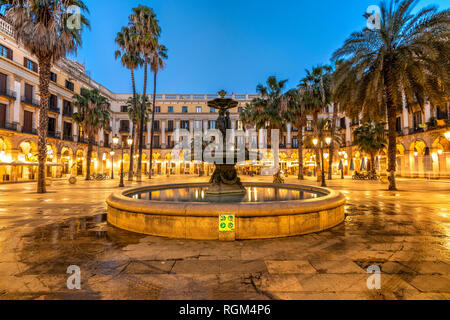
122, 146
112, 164
327, 142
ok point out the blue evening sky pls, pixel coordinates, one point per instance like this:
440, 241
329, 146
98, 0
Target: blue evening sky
225, 44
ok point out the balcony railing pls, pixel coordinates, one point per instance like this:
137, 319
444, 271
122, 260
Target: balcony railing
53, 134
68, 137
8, 126
53, 109
8, 93
415, 130
31, 102
82, 140
29, 130
124, 130
170, 129
67, 113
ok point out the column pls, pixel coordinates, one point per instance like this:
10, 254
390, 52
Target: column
163, 134
405, 116
59, 124
348, 132
427, 111
17, 104
149, 133
289, 140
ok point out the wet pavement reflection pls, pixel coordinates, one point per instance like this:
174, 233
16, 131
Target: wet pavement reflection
405, 233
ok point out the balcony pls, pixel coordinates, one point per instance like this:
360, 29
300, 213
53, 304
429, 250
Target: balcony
29, 130
68, 137
416, 130
82, 140
124, 130
54, 135
67, 112
169, 129
53, 109
31, 102
7, 93
106, 144
157, 129
8, 126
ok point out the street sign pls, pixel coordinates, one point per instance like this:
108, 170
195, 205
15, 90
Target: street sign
226, 222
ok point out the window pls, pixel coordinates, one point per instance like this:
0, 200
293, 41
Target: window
30, 65
211, 124
184, 109
170, 109
70, 85
417, 119
157, 109
198, 124
83, 91
124, 126
53, 77
67, 108
294, 142
240, 109
124, 109
6, 52
309, 125
212, 110
184, 124
170, 125
398, 124
342, 124
441, 113
156, 126
198, 109
51, 125
53, 102
239, 125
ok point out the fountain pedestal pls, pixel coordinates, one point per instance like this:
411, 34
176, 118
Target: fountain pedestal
225, 181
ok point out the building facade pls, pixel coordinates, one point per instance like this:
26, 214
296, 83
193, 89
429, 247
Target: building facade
423, 150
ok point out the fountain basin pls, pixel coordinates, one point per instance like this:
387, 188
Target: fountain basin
200, 220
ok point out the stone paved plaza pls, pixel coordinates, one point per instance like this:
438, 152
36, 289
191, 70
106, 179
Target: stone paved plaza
406, 233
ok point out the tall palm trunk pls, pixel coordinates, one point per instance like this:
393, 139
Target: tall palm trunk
141, 127
316, 148
89, 156
392, 117
133, 131
332, 145
372, 163
151, 131
44, 79
300, 152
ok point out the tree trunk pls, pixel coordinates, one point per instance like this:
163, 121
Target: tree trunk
316, 148
392, 116
300, 152
332, 145
44, 79
372, 163
88, 158
153, 121
141, 127
133, 131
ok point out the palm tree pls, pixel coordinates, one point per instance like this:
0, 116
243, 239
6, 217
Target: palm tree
296, 113
140, 104
42, 28
92, 114
316, 91
147, 29
406, 59
156, 63
266, 111
370, 139
131, 59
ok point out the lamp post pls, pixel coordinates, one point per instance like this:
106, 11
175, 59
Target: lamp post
112, 164
327, 142
122, 146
